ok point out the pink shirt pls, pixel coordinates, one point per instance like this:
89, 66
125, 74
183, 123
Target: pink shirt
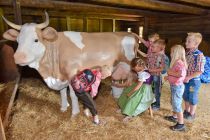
95, 85
148, 44
178, 67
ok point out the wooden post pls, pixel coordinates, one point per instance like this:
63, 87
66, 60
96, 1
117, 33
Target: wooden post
17, 12
2, 133
113, 25
6, 118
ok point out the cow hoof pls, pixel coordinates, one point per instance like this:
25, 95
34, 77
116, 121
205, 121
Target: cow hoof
74, 115
63, 109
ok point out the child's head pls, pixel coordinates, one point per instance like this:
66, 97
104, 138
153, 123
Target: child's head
153, 37
158, 46
138, 64
178, 52
193, 40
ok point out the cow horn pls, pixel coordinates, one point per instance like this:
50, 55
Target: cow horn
45, 24
15, 26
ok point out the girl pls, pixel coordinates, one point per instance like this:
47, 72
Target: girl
176, 76
85, 85
138, 97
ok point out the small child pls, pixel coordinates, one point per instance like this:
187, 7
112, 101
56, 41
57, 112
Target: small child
151, 39
85, 85
176, 76
138, 97
196, 62
156, 64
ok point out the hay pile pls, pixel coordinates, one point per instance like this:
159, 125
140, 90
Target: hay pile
37, 116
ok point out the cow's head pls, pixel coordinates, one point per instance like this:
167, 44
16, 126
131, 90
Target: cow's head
30, 41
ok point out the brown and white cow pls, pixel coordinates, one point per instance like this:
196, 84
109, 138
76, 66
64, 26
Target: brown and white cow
57, 56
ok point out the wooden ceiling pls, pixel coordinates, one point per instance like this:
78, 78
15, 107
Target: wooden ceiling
197, 7
131, 8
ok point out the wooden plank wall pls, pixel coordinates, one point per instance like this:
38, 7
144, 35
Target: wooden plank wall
175, 30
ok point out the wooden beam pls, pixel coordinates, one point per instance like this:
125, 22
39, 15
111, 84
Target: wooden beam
154, 5
81, 7
56, 14
204, 3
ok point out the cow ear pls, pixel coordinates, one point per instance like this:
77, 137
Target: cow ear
11, 34
50, 34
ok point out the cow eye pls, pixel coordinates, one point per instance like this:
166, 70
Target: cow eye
36, 40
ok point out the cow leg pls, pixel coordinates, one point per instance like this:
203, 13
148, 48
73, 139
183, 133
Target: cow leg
64, 101
74, 101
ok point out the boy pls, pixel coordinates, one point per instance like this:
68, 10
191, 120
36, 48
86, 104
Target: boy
196, 62
156, 64
151, 39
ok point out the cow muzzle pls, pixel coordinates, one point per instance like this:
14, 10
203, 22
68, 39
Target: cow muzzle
20, 58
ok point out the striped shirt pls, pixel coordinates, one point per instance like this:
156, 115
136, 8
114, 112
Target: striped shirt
195, 61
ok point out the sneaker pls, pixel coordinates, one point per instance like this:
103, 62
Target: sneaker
171, 119
186, 114
96, 120
190, 117
155, 108
178, 127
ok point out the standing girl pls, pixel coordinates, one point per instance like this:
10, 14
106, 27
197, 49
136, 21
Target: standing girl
138, 97
176, 76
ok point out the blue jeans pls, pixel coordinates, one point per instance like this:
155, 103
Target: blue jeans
176, 97
191, 91
157, 89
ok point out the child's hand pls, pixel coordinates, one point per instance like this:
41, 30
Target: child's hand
129, 94
187, 79
166, 78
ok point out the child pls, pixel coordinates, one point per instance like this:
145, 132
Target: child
85, 85
196, 62
151, 39
156, 64
176, 76
138, 97
149, 44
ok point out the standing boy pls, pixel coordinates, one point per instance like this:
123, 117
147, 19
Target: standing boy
156, 64
196, 62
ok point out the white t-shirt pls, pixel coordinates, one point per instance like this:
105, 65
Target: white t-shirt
143, 76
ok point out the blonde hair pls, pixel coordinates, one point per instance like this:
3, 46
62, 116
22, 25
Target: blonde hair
196, 36
154, 35
161, 43
178, 53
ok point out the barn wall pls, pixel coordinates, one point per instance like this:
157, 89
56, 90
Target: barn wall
175, 30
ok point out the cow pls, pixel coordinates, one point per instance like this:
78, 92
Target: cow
58, 56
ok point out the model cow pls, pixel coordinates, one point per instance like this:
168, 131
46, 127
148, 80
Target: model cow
57, 56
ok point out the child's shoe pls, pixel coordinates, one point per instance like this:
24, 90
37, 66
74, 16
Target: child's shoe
155, 108
87, 112
171, 118
178, 127
186, 114
190, 117
96, 120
